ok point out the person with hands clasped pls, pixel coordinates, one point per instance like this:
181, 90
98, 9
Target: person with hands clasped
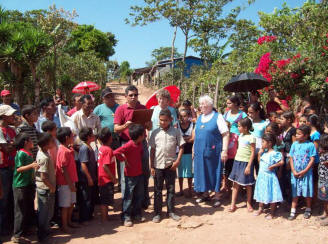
45, 184
302, 155
164, 161
267, 188
23, 186
66, 177
242, 173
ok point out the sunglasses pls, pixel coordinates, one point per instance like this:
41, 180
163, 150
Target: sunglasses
133, 95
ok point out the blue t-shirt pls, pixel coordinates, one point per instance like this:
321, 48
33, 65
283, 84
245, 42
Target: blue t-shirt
315, 137
106, 115
259, 128
233, 120
301, 154
41, 120
155, 116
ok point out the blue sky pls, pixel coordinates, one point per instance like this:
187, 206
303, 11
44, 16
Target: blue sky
134, 43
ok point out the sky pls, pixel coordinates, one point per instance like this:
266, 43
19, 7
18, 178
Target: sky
135, 44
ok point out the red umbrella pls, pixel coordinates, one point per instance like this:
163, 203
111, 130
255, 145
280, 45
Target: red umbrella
86, 87
174, 92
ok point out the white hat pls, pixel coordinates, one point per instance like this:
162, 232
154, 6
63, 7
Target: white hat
6, 110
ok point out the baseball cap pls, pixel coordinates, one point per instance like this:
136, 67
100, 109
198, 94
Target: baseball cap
5, 93
6, 110
106, 91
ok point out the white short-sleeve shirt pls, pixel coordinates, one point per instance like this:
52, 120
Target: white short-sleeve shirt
222, 125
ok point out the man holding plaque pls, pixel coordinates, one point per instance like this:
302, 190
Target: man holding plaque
123, 118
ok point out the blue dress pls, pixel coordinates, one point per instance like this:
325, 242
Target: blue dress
315, 137
207, 155
267, 188
301, 154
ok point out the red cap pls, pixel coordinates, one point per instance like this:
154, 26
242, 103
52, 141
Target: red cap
5, 93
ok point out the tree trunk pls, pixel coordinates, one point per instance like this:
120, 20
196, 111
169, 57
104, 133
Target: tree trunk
36, 84
216, 91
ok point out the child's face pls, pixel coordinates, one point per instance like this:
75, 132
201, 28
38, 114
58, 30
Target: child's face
252, 113
268, 129
303, 121
273, 118
183, 117
242, 129
163, 102
283, 122
9, 119
230, 105
33, 117
164, 121
265, 144
300, 136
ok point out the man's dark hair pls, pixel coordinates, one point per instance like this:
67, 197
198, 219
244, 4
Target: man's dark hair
84, 98
27, 110
130, 88
48, 126
20, 140
104, 135
85, 132
135, 131
44, 139
45, 102
63, 133
165, 112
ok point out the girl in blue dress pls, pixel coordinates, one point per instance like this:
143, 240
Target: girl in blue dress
302, 155
267, 188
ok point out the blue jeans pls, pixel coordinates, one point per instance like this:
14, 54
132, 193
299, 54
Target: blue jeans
133, 196
7, 201
46, 206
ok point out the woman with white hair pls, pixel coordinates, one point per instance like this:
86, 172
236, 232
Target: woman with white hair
210, 149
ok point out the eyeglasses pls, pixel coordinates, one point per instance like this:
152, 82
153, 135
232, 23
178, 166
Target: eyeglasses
133, 95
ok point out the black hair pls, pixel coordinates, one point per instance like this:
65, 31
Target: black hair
307, 110
234, 99
165, 112
257, 107
84, 133
44, 139
104, 135
48, 125
289, 115
45, 102
27, 110
246, 122
324, 142
275, 128
305, 129
130, 88
20, 140
313, 119
187, 111
273, 113
84, 98
63, 133
270, 138
186, 103
135, 131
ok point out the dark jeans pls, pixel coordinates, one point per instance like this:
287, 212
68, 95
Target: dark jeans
46, 206
24, 208
168, 176
87, 196
7, 201
133, 196
146, 173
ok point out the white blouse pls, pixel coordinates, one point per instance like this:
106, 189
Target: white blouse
222, 124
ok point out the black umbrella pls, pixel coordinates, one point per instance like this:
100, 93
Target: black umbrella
246, 82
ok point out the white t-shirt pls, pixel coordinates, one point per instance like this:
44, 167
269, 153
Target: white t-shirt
222, 125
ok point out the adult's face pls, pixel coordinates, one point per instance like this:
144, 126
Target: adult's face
132, 98
6, 99
87, 106
77, 103
109, 100
50, 109
205, 107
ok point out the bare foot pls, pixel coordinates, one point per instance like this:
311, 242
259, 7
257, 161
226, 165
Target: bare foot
232, 209
250, 208
258, 212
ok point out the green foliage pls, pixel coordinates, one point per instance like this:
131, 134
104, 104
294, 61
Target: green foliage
125, 70
162, 53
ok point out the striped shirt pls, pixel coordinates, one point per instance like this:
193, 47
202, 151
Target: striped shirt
32, 132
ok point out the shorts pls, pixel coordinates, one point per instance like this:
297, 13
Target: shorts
66, 197
106, 193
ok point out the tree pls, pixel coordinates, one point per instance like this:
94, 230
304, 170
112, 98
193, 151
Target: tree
162, 53
125, 70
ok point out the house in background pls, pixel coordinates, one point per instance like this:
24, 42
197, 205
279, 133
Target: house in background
148, 75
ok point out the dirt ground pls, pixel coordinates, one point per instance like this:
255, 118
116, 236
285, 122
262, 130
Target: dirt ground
200, 223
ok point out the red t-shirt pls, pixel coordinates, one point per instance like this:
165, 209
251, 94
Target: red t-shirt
71, 112
132, 155
123, 114
105, 156
8, 159
65, 158
272, 106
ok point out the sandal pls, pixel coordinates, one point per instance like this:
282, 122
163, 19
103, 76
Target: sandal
216, 204
232, 209
307, 214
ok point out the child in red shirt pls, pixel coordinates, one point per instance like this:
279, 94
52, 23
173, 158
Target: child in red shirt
66, 177
106, 172
133, 196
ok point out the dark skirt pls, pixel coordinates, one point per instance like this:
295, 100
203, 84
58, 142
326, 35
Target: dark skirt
238, 174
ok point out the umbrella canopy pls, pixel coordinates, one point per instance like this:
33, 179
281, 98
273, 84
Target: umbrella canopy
85, 87
246, 82
174, 92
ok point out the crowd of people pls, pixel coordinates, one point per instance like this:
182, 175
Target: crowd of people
73, 159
